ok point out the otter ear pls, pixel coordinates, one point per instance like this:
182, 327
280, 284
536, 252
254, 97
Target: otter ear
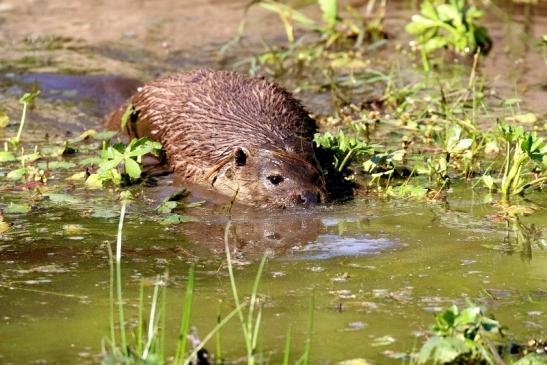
240, 156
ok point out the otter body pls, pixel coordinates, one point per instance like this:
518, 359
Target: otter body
246, 137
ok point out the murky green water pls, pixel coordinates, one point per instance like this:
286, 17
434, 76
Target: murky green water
378, 269
375, 268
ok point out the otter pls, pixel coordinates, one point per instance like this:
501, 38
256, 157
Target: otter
246, 137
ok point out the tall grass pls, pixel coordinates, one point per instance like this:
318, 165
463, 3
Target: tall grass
149, 336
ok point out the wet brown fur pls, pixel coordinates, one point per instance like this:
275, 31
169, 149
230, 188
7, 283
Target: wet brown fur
204, 118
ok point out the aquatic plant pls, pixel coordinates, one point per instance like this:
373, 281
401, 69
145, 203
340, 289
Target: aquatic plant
467, 336
27, 100
521, 237
149, 345
149, 340
448, 24
521, 147
120, 163
344, 147
335, 41
331, 28
176, 201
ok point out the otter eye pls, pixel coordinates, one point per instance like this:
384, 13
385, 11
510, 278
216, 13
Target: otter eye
275, 179
240, 157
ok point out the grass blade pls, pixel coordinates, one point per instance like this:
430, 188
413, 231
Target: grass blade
185, 320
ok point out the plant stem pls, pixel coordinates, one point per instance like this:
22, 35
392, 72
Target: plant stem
246, 334
152, 320
111, 297
22, 123
425, 60
287, 352
345, 160
119, 280
185, 320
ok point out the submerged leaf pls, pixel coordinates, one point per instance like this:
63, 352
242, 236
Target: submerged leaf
527, 118
17, 174
55, 165
94, 182
6, 156
62, 198
176, 219
17, 208
105, 213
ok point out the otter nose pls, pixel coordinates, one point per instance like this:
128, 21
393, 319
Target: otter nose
307, 198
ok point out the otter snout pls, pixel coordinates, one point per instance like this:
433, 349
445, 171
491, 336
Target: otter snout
308, 198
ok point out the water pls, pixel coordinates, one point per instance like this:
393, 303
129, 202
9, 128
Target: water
378, 269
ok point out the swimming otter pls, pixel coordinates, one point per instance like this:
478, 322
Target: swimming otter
246, 137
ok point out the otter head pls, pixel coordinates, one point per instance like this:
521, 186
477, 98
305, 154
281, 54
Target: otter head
269, 178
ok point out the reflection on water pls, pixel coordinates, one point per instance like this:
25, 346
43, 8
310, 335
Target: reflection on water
330, 246
522, 238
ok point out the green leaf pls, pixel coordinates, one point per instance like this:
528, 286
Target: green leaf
30, 157
411, 191
107, 165
14, 208
527, 118
441, 350
56, 165
90, 161
94, 181
149, 147
462, 145
176, 219
29, 98
104, 135
79, 176
167, 206
62, 198
329, 8
286, 11
132, 168
448, 13
6, 156
433, 44
104, 213
419, 25
17, 174
467, 316
428, 10
125, 117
